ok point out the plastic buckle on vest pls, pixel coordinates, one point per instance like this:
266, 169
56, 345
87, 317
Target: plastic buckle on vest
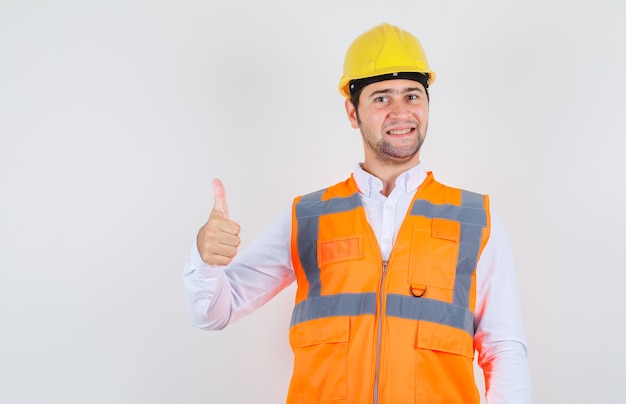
417, 290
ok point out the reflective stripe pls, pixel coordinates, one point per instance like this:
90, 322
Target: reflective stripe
436, 311
308, 229
342, 304
472, 200
464, 214
407, 307
308, 212
312, 204
472, 216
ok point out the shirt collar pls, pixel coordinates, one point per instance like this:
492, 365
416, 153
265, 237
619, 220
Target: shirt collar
407, 182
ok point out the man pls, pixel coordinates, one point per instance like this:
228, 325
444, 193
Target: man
400, 278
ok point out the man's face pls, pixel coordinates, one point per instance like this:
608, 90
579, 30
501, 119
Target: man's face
393, 118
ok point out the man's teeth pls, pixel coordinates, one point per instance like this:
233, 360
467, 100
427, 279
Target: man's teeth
399, 132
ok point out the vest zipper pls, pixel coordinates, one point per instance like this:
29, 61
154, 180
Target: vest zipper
380, 332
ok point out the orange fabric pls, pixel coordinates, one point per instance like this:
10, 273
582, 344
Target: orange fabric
335, 358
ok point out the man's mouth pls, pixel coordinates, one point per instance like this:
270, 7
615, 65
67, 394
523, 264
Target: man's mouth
400, 132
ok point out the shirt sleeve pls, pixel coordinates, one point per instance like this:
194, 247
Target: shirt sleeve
220, 295
499, 337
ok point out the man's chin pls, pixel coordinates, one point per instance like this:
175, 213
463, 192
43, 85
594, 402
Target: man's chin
397, 160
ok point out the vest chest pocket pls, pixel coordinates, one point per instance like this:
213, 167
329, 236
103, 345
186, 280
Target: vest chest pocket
344, 249
434, 254
320, 360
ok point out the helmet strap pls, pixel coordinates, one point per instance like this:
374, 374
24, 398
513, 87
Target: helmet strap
359, 84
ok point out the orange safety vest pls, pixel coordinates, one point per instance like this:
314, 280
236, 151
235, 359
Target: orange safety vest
401, 331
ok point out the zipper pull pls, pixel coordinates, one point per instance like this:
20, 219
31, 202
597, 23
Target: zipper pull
385, 266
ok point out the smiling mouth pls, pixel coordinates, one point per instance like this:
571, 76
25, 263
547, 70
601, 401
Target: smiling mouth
399, 132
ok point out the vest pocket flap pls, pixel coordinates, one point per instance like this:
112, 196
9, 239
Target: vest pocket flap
320, 371
437, 337
321, 331
343, 249
446, 229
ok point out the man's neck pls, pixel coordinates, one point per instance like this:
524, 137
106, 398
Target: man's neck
388, 173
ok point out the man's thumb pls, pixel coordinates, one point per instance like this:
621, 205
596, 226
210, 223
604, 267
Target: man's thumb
220, 197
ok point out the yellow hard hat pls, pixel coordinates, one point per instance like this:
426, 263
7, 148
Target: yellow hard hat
384, 49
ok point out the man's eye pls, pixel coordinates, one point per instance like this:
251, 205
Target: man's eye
412, 97
380, 99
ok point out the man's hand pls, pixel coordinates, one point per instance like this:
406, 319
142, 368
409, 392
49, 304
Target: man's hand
218, 239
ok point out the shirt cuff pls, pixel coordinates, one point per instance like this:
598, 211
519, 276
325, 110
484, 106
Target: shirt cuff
196, 265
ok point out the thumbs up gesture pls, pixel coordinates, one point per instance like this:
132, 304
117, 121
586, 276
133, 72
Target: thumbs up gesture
219, 238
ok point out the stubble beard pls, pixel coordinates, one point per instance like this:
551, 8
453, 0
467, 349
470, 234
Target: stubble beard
390, 154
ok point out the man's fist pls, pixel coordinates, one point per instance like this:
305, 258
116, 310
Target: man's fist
219, 238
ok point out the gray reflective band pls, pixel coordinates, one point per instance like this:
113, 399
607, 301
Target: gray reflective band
472, 200
435, 311
467, 260
308, 212
472, 216
466, 214
406, 307
342, 304
307, 251
312, 205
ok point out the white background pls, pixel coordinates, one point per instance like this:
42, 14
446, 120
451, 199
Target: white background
115, 116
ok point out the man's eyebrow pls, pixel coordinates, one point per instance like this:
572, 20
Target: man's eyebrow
390, 91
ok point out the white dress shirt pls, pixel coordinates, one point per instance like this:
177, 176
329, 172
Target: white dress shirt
219, 296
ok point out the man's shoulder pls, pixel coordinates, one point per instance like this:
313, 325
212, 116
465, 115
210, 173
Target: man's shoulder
344, 188
438, 186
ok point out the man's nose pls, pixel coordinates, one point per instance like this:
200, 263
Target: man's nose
399, 111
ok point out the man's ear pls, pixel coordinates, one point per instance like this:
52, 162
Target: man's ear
351, 112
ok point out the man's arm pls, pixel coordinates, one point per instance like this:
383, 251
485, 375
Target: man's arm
219, 295
499, 337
